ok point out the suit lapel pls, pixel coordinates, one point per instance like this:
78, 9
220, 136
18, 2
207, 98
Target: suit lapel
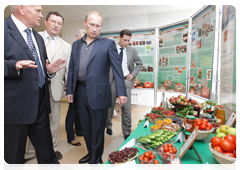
79, 47
18, 37
128, 58
96, 47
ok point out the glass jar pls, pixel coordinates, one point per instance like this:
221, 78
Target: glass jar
216, 111
210, 114
205, 113
196, 111
190, 123
220, 117
209, 105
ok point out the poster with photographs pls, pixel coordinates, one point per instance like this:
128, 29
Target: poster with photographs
227, 95
173, 57
144, 43
203, 25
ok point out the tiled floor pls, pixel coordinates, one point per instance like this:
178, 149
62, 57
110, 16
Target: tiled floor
72, 154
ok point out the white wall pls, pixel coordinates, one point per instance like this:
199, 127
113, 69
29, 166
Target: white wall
154, 20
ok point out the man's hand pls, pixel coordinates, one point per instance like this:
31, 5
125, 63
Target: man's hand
70, 98
122, 100
55, 66
129, 77
23, 64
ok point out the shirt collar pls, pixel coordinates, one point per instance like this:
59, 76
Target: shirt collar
85, 36
118, 47
21, 27
47, 35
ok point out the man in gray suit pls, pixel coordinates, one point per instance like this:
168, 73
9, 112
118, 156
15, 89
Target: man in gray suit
129, 56
56, 48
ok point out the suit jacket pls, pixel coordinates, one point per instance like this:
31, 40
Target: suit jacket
98, 88
61, 50
132, 57
21, 92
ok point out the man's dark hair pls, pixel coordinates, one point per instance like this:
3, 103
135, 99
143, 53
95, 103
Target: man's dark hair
125, 32
54, 13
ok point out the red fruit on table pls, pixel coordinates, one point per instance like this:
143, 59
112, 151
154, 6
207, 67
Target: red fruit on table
219, 149
232, 138
227, 145
215, 141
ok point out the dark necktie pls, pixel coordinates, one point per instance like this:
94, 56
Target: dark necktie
41, 78
121, 54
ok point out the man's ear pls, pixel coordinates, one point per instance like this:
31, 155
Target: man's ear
21, 9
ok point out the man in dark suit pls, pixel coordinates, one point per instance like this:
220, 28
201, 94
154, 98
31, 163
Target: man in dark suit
129, 56
26, 94
88, 83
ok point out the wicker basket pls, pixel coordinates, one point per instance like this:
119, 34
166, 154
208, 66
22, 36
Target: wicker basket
116, 164
221, 158
202, 134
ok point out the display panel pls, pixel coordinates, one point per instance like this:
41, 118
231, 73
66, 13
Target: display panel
172, 59
202, 51
144, 43
227, 91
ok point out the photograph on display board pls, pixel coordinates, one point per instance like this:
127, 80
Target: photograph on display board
185, 37
227, 14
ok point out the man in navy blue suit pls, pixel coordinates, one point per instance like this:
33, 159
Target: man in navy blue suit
88, 84
26, 95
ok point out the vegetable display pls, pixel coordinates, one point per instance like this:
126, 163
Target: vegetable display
122, 156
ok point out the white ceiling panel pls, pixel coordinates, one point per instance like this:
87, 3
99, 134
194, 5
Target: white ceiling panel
49, 8
179, 7
119, 13
106, 15
89, 8
66, 6
129, 7
112, 7
64, 13
138, 11
157, 8
76, 11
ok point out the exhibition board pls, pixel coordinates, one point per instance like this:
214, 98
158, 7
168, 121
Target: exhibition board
190, 157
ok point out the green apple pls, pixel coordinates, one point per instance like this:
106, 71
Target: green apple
224, 129
218, 130
221, 135
232, 131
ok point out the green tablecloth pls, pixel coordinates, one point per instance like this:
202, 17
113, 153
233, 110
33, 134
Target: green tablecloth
190, 156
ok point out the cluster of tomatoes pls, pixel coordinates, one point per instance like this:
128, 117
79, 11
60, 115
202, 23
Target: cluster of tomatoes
226, 146
153, 116
146, 158
203, 124
158, 108
168, 151
168, 113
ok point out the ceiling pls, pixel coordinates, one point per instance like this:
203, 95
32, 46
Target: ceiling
76, 13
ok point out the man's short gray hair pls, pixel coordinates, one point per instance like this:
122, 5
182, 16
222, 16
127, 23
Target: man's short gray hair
80, 31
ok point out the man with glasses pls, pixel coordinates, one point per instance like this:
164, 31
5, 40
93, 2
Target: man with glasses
56, 48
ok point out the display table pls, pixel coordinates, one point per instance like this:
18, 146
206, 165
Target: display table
189, 158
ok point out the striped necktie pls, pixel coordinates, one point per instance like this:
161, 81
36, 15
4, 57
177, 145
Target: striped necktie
41, 77
49, 48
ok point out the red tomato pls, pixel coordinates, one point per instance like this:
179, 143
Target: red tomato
156, 162
209, 125
236, 153
208, 128
146, 159
170, 145
140, 157
229, 154
227, 145
198, 123
204, 123
198, 127
219, 149
205, 120
150, 152
146, 154
171, 151
203, 127
165, 149
152, 156
236, 144
215, 141
231, 138
169, 148
165, 145
160, 149
198, 120
174, 149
